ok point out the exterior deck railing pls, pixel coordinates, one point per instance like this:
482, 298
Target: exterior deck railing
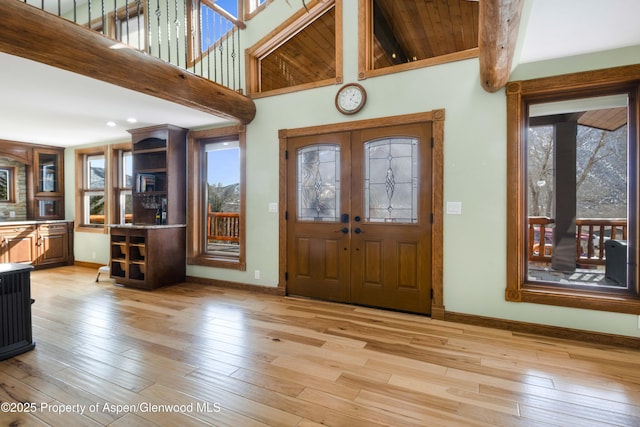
223, 226
591, 235
197, 36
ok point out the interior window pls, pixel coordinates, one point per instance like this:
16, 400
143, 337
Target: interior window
577, 178
222, 165
303, 54
122, 199
91, 201
401, 35
216, 220
572, 190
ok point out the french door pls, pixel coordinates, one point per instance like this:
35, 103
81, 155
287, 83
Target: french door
359, 217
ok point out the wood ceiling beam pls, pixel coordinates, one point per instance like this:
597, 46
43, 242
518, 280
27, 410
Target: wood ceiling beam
497, 36
31, 33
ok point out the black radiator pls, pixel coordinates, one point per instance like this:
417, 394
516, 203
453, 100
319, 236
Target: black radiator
16, 335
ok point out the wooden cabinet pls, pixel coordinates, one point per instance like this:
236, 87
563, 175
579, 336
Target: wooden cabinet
48, 194
148, 257
159, 173
18, 243
41, 244
52, 245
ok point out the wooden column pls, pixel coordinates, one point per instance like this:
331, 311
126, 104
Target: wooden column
564, 250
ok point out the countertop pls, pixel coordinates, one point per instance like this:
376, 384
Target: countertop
146, 226
33, 222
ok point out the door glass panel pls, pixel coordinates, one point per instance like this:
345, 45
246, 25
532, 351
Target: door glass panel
578, 192
319, 183
391, 180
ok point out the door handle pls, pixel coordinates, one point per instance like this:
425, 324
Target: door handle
357, 230
343, 230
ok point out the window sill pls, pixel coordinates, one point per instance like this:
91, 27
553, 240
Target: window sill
616, 302
211, 261
102, 229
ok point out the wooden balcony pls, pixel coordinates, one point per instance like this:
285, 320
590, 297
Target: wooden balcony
591, 235
223, 227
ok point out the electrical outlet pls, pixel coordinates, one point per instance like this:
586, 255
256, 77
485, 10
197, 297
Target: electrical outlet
638, 322
256, 274
12, 214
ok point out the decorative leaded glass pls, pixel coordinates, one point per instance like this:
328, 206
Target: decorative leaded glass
391, 180
319, 183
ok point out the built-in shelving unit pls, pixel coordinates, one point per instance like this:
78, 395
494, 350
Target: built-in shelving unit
159, 162
145, 256
151, 252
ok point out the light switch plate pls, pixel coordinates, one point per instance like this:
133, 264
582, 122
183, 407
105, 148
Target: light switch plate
454, 208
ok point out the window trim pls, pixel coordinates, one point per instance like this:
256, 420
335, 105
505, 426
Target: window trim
519, 94
365, 66
196, 243
80, 169
11, 184
115, 184
296, 23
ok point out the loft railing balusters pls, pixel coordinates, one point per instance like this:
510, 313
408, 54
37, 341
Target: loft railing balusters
103, 30
186, 36
126, 17
158, 15
168, 34
149, 39
209, 44
177, 24
139, 14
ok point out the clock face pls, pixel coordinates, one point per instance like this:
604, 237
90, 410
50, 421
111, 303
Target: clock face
350, 98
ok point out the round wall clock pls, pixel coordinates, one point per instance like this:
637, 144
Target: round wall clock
350, 98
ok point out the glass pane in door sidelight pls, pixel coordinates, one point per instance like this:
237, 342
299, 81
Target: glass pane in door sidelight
319, 183
391, 180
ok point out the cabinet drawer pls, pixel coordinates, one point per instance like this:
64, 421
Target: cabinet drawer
53, 228
17, 230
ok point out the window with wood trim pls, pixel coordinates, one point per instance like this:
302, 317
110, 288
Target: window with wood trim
216, 219
304, 52
121, 184
572, 192
91, 184
7, 184
215, 37
405, 35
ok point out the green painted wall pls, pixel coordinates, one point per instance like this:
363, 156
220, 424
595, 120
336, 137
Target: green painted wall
475, 172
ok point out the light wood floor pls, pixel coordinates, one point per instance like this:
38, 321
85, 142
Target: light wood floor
226, 357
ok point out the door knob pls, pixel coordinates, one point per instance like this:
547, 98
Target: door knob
343, 230
357, 230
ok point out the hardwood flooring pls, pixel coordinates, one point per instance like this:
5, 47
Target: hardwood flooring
193, 355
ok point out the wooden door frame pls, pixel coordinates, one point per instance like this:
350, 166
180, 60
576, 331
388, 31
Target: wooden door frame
436, 117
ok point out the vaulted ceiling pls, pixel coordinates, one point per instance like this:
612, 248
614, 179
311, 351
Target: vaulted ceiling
60, 109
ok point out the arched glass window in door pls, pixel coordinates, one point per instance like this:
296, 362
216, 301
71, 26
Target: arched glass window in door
391, 180
319, 182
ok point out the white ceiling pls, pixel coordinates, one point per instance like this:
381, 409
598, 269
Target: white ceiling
45, 105
559, 28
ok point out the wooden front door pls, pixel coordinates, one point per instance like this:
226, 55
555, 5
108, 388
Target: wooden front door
359, 217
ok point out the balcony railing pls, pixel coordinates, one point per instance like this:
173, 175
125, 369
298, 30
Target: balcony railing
223, 227
197, 36
591, 235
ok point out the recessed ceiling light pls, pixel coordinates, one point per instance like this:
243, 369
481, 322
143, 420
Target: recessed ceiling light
111, 124
132, 120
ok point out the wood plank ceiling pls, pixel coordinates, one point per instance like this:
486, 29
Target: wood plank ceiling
407, 31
